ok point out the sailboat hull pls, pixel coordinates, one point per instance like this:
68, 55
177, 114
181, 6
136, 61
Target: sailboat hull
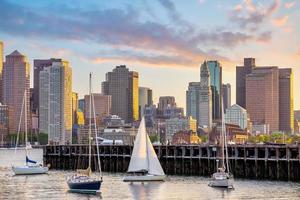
29, 170
84, 186
226, 183
144, 178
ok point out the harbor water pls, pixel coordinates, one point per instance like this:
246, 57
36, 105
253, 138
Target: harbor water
53, 185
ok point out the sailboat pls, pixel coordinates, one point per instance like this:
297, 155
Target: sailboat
223, 177
81, 181
31, 167
144, 164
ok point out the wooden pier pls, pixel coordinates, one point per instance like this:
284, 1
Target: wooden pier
275, 162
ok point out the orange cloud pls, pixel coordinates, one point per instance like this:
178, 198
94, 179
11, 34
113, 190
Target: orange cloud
289, 5
280, 21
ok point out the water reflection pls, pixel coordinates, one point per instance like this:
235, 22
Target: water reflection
144, 191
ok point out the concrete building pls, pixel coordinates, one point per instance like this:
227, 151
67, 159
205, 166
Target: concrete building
175, 125
55, 102
260, 129
145, 99
1, 68
16, 80
102, 107
185, 137
263, 106
226, 93
166, 101
4, 124
150, 114
122, 85
286, 100
81, 105
205, 98
236, 114
125, 133
192, 100
74, 107
172, 112
215, 75
241, 73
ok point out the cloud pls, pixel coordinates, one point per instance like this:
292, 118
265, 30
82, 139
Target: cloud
289, 5
265, 37
280, 21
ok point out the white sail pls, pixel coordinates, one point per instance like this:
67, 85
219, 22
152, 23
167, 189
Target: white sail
154, 167
139, 158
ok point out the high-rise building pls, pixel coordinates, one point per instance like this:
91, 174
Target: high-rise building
4, 123
263, 106
205, 98
192, 100
1, 68
241, 73
215, 74
226, 93
81, 105
122, 85
39, 65
16, 80
145, 99
286, 100
55, 102
74, 107
102, 106
238, 115
166, 101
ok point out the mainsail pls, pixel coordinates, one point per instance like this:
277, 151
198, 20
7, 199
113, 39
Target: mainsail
144, 158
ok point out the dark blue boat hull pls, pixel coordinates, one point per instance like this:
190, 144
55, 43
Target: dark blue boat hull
91, 185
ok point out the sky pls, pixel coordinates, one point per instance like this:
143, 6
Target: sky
164, 40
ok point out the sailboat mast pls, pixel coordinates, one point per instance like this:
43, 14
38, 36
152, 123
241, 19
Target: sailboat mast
90, 123
222, 143
19, 126
25, 120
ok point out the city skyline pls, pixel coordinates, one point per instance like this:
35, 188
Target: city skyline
275, 42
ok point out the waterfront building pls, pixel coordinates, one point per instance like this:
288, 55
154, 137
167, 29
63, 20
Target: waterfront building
260, 129
175, 125
83, 134
4, 124
1, 68
286, 100
185, 137
55, 102
124, 133
205, 98
215, 77
236, 114
122, 85
241, 73
16, 80
145, 99
226, 94
102, 108
113, 120
193, 100
263, 106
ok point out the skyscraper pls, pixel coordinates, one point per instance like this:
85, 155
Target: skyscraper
1, 68
241, 73
226, 93
122, 85
145, 99
263, 106
16, 80
74, 107
55, 102
215, 73
205, 98
192, 100
166, 101
286, 100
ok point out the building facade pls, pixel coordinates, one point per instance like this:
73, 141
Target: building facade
122, 85
166, 101
16, 81
1, 68
236, 114
205, 98
192, 100
145, 99
226, 93
4, 124
55, 102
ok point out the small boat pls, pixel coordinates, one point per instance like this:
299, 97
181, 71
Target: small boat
81, 181
144, 165
223, 177
31, 167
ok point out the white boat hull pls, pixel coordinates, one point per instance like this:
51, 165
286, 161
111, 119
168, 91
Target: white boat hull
144, 178
227, 183
29, 170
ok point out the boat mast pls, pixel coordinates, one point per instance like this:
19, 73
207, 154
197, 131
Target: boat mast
25, 121
90, 116
222, 142
19, 126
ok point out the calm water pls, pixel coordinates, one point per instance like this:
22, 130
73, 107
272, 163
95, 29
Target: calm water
53, 186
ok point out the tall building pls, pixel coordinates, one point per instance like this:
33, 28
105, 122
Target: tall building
238, 115
192, 100
55, 102
241, 73
286, 100
166, 101
215, 73
1, 68
81, 104
145, 99
16, 80
122, 85
74, 107
39, 65
263, 106
102, 106
205, 98
226, 93
4, 123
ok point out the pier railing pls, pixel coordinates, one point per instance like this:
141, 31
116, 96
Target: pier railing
277, 162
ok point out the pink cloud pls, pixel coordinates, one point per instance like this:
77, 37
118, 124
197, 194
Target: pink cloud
280, 21
289, 5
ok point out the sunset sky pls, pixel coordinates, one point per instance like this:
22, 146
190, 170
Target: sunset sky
164, 40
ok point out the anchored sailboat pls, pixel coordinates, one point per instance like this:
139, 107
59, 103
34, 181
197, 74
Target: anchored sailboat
223, 177
81, 181
31, 166
144, 164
